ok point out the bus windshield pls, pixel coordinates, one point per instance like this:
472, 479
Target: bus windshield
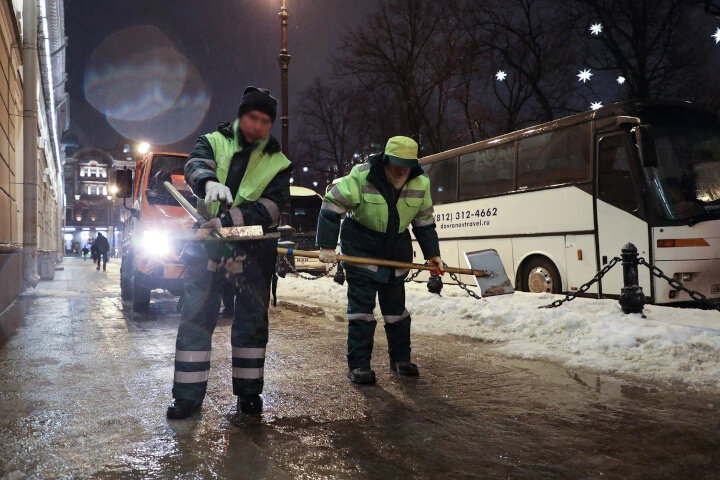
686, 180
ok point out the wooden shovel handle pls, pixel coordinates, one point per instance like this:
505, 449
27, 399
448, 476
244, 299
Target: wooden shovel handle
382, 262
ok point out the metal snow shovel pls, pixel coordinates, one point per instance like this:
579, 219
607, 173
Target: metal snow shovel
499, 284
486, 268
225, 234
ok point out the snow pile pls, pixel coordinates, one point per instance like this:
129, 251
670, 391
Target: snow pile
670, 344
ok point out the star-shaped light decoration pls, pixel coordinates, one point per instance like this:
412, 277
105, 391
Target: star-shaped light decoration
500, 75
596, 28
620, 80
596, 105
584, 75
716, 36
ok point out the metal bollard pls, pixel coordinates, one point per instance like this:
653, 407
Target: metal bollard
434, 284
632, 298
285, 263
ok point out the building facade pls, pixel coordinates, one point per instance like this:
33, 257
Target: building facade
91, 206
31, 179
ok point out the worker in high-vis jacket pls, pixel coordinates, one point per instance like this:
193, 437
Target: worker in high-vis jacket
241, 166
377, 202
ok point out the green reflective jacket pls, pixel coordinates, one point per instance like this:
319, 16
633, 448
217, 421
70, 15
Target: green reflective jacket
376, 218
262, 167
366, 205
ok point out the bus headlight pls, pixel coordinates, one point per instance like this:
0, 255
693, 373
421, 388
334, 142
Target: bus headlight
683, 277
156, 243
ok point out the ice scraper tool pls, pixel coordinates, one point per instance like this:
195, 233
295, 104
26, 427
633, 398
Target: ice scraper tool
486, 267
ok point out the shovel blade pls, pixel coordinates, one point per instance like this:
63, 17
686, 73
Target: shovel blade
489, 260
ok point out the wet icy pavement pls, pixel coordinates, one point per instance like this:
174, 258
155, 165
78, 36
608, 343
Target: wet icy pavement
84, 387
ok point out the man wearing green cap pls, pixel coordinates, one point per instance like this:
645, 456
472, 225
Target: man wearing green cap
378, 201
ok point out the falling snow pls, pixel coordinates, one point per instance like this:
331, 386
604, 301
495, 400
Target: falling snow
621, 80
716, 36
596, 29
596, 105
500, 75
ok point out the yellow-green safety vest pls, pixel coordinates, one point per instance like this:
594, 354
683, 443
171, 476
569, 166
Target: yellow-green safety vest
262, 167
366, 205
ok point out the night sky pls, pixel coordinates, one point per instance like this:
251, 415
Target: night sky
196, 54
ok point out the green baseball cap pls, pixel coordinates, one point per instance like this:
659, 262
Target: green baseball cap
402, 151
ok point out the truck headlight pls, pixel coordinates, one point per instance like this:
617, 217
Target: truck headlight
156, 243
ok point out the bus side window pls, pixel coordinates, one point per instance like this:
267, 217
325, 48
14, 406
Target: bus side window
487, 172
443, 180
615, 183
555, 158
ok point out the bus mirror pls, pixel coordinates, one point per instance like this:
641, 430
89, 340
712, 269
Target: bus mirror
623, 121
124, 183
646, 145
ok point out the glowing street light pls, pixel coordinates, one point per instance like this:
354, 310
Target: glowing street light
143, 148
113, 189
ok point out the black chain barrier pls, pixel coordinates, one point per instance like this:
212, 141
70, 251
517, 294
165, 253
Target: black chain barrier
632, 299
695, 295
465, 287
586, 286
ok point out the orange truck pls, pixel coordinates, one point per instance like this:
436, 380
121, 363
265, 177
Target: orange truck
150, 257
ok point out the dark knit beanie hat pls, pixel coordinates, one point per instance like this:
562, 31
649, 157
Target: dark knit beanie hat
258, 99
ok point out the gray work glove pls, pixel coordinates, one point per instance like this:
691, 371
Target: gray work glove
327, 255
217, 192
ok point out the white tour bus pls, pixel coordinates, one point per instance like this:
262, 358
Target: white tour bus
559, 200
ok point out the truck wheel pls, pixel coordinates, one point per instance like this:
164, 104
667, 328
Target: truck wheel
140, 296
540, 275
126, 283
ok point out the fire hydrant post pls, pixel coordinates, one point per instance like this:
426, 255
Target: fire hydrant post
632, 298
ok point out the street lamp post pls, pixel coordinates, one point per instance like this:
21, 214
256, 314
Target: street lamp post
284, 61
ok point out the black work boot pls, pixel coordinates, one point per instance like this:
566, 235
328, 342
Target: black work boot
251, 404
362, 375
182, 408
404, 367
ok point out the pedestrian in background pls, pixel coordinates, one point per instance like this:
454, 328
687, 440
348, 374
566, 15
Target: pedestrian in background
102, 247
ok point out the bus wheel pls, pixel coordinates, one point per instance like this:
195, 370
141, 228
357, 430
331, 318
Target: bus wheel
540, 276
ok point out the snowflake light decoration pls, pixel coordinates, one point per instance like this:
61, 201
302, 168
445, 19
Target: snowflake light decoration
596, 29
716, 36
500, 75
596, 105
584, 75
621, 80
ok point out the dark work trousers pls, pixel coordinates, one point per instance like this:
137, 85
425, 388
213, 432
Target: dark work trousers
361, 321
202, 295
102, 258
228, 298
